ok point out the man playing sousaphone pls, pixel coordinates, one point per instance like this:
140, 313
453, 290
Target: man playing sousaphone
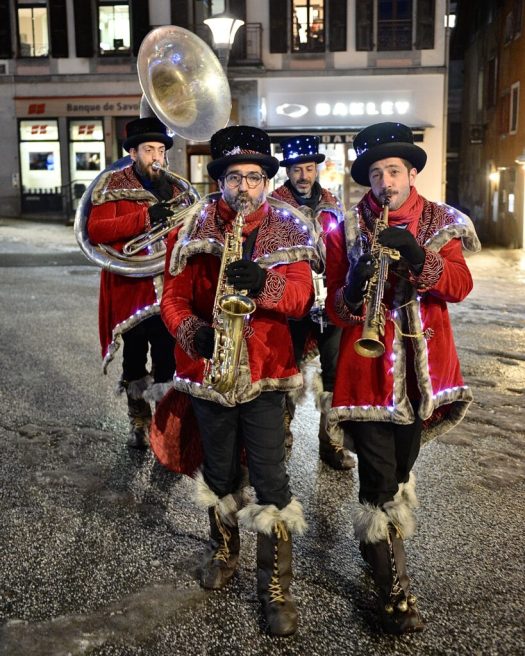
127, 203
273, 271
409, 387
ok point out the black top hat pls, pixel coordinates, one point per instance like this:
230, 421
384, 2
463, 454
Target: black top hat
301, 148
242, 144
384, 140
146, 129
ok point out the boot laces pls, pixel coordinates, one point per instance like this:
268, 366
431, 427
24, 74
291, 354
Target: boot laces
223, 552
397, 597
275, 590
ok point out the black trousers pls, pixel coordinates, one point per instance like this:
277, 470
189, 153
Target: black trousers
327, 343
386, 453
256, 425
148, 333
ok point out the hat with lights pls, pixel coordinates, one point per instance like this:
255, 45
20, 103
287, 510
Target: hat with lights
381, 141
241, 144
301, 148
145, 129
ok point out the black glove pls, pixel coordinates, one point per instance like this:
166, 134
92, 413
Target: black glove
362, 271
404, 242
159, 213
204, 341
244, 274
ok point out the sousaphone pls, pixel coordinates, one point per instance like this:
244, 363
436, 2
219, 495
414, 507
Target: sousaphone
184, 85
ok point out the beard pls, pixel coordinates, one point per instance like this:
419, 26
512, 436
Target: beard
147, 172
243, 201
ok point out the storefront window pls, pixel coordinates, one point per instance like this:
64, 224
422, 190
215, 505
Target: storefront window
33, 40
86, 154
40, 166
113, 27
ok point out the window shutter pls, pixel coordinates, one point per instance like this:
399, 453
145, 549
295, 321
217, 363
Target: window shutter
84, 28
278, 26
5, 30
364, 25
337, 11
139, 20
180, 14
238, 10
426, 11
58, 28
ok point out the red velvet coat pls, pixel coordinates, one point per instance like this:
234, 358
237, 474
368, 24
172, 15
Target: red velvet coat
284, 248
377, 389
119, 213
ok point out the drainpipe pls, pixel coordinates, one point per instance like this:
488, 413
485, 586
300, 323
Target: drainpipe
445, 105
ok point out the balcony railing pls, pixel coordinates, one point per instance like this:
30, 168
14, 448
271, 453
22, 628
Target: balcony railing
247, 47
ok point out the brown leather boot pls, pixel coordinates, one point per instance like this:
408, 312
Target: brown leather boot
398, 611
333, 455
139, 413
274, 575
222, 555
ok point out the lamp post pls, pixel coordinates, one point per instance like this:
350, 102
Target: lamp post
223, 29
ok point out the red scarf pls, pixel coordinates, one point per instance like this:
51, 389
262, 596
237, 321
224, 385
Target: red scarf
408, 214
251, 221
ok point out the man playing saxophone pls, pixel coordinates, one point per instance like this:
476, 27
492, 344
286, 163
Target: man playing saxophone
266, 264
401, 385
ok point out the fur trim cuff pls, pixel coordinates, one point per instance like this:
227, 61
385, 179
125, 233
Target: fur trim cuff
401, 516
407, 492
370, 523
263, 519
134, 388
227, 506
156, 391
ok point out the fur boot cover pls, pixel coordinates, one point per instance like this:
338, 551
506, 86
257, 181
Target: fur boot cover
156, 391
134, 388
263, 519
371, 522
407, 492
227, 506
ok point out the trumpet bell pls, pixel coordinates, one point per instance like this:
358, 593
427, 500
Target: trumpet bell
184, 82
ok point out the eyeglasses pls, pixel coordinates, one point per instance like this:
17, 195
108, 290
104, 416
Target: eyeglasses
234, 180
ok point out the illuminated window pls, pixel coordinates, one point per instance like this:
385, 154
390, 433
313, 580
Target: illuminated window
33, 39
113, 28
308, 26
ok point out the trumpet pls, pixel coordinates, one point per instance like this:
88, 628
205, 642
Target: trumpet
182, 206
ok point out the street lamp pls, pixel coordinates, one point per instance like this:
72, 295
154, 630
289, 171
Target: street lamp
223, 29
520, 159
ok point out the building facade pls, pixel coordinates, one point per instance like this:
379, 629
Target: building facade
68, 76
492, 155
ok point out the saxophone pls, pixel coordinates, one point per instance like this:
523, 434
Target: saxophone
231, 309
370, 344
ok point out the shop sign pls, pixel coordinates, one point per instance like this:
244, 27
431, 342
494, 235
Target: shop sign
78, 106
344, 109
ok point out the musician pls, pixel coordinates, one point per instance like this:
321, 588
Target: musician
313, 333
275, 272
389, 404
127, 203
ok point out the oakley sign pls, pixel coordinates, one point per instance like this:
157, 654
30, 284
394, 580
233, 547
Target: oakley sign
356, 108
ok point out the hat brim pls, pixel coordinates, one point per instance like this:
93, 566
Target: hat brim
317, 159
412, 153
217, 166
137, 139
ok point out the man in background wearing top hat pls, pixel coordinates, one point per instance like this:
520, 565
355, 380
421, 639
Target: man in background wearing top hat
127, 203
275, 271
313, 333
391, 402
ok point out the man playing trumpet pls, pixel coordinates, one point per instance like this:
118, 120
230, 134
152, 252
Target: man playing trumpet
127, 203
409, 389
274, 271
